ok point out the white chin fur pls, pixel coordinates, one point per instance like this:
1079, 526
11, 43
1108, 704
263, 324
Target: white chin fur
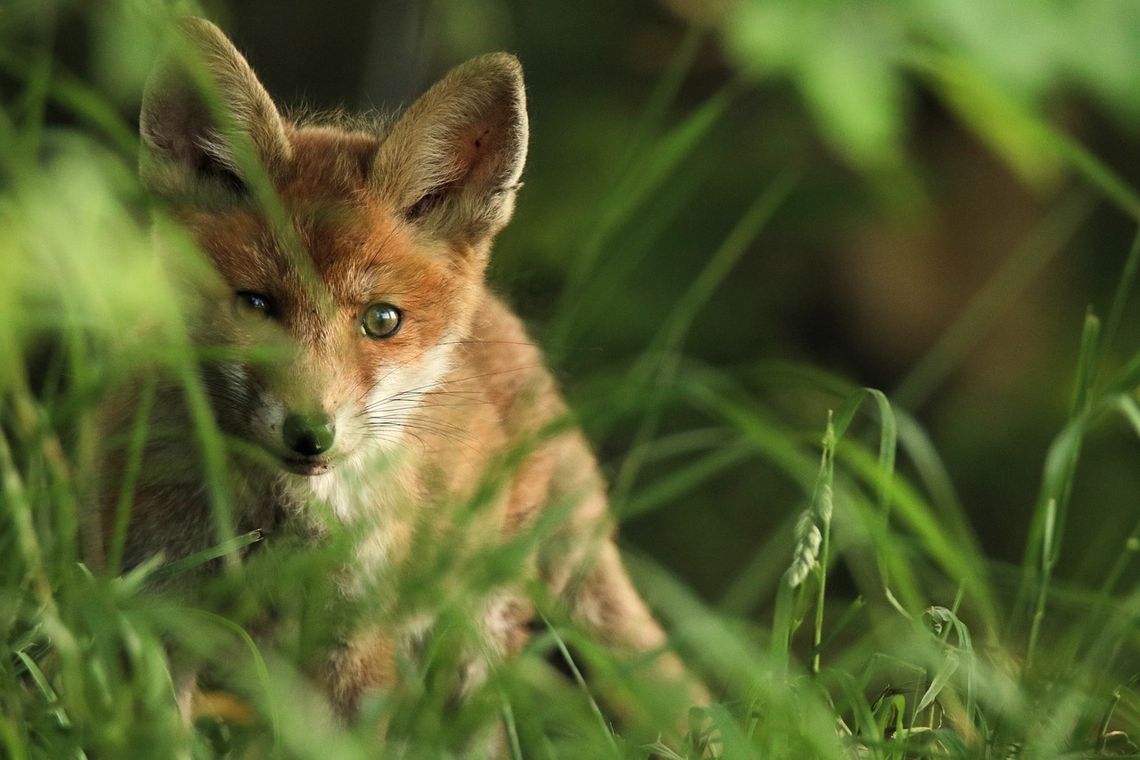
368, 485
371, 446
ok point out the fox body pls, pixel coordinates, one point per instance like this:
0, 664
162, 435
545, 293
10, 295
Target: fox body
397, 379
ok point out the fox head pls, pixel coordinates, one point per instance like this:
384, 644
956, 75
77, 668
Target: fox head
354, 256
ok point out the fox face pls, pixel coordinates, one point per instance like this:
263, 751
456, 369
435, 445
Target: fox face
355, 329
346, 263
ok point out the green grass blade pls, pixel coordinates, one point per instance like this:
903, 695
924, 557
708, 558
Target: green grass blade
130, 477
258, 663
659, 365
682, 481
1061, 462
218, 551
994, 299
1124, 289
580, 680
45, 688
629, 195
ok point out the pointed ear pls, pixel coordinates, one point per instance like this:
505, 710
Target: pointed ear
203, 113
452, 162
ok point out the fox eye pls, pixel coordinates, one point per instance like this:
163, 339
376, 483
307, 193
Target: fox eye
381, 320
252, 303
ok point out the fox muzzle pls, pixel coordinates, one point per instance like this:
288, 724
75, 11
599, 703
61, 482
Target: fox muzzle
309, 435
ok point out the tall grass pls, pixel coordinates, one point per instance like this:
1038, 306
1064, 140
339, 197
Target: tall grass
940, 652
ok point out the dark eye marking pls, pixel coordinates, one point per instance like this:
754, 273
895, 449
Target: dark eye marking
253, 304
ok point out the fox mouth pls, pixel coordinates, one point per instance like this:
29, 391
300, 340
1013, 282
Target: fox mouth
307, 466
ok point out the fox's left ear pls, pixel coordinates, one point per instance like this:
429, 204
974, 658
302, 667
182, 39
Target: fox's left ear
452, 162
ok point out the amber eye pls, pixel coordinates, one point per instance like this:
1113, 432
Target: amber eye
381, 320
254, 304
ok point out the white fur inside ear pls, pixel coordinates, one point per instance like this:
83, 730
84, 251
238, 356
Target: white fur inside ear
214, 146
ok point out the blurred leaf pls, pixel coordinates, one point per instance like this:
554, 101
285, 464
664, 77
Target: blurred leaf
840, 55
1010, 129
850, 63
941, 679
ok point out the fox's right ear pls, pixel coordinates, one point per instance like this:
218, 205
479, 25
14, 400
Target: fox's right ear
205, 116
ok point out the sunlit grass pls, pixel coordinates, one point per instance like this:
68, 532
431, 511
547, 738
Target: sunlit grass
940, 652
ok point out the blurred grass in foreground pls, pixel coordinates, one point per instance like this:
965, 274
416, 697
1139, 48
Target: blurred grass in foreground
938, 653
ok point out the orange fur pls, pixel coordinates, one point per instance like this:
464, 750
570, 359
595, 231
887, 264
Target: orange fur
402, 215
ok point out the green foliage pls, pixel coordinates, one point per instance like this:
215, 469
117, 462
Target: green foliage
918, 644
995, 65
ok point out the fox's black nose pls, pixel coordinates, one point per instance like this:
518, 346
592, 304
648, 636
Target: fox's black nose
308, 434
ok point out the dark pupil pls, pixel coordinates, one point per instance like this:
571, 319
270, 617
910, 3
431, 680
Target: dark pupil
382, 320
254, 301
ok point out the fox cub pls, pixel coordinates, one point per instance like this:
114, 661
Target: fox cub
357, 254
